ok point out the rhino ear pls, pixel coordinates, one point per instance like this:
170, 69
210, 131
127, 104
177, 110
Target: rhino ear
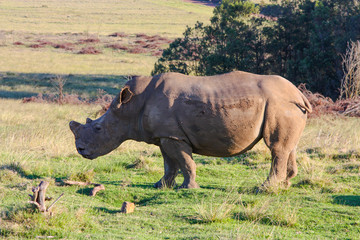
124, 96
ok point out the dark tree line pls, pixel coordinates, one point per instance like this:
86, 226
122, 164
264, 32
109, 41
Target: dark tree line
302, 40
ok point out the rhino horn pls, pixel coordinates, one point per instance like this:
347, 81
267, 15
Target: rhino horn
74, 126
88, 120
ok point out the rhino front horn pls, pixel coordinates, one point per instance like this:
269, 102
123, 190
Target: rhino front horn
74, 126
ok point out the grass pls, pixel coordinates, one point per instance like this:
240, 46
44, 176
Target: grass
34, 148
36, 143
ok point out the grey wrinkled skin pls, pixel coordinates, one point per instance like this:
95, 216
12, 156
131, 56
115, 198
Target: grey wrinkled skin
222, 115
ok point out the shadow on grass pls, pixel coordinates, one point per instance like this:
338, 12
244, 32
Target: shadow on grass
35, 83
143, 185
85, 191
106, 210
19, 170
348, 200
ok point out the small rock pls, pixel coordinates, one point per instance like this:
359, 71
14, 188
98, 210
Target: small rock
127, 207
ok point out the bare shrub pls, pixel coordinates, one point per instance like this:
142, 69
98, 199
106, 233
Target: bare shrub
350, 84
18, 43
58, 84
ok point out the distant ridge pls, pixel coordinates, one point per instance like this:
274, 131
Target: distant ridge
210, 3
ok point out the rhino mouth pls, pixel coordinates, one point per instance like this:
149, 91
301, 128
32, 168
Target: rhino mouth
83, 152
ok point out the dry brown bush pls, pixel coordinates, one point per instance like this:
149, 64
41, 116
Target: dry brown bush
117, 46
324, 105
89, 40
65, 46
137, 50
89, 50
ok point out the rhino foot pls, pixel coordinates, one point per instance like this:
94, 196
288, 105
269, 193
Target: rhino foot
190, 185
164, 184
268, 187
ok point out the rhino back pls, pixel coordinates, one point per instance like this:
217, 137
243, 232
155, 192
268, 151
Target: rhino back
218, 115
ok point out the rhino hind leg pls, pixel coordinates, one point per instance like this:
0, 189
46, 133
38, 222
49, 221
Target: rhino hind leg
278, 171
181, 152
282, 131
291, 167
283, 167
171, 169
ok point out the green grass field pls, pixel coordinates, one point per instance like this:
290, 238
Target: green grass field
36, 143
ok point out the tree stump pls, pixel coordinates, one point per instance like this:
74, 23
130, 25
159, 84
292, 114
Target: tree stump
39, 197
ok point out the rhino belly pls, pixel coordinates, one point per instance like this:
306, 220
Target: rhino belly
224, 129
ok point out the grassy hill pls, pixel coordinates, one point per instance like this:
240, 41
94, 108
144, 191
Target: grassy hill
30, 29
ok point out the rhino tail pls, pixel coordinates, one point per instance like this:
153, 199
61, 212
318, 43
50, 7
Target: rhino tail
306, 106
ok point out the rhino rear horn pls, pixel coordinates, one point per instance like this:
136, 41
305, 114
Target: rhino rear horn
88, 120
74, 126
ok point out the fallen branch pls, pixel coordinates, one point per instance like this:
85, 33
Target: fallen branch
51, 205
97, 187
69, 182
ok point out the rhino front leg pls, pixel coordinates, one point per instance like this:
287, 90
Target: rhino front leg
181, 152
171, 169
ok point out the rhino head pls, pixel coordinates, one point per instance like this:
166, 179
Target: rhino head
101, 136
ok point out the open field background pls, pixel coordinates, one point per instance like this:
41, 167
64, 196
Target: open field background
36, 143
32, 22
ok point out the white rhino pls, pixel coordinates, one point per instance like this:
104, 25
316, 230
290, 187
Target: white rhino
222, 116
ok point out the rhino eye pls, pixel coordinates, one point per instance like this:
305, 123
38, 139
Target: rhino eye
97, 128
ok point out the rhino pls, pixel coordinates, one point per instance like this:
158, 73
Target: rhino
221, 115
